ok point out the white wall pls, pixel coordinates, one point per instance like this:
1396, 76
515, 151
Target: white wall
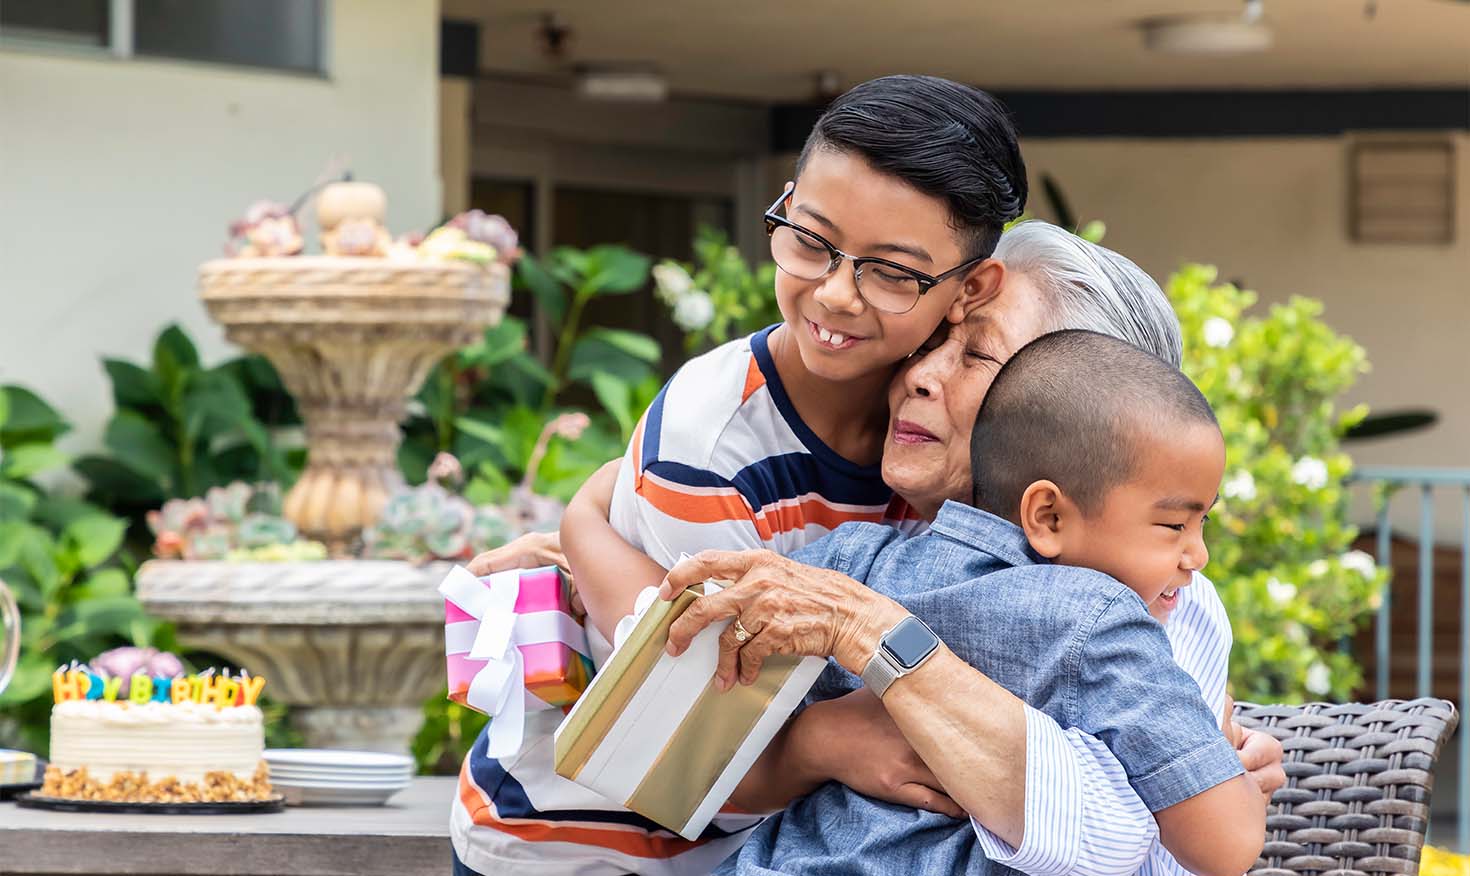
117, 178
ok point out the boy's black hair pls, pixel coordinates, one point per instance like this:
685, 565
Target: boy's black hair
947, 140
1075, 408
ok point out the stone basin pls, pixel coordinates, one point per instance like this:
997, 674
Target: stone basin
355, 647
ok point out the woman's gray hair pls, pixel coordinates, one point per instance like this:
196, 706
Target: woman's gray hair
1091, 287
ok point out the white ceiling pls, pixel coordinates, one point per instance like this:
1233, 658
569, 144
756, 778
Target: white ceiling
768, 50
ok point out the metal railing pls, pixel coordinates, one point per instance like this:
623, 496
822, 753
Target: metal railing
1430, 483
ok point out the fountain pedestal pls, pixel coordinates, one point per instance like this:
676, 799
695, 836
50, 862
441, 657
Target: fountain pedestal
354, 646
353, 339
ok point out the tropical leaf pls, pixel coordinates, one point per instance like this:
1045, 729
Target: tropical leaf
28, 419
25, 460
93, 538
140, 445
533, 276
132, 386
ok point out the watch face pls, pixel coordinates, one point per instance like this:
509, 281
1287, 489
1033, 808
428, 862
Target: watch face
910, 642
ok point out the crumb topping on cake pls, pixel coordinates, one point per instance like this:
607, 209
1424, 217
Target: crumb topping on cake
216, 787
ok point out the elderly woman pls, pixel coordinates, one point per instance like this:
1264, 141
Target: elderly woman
951, 727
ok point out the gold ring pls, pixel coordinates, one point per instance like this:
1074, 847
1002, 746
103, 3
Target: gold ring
741, 633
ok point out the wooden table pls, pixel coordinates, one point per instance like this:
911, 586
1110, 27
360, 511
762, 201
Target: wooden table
408, 836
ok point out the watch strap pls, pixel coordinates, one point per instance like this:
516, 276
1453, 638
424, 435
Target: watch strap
881, 672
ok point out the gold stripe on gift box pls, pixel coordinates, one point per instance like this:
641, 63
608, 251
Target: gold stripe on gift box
703, 744
603, 701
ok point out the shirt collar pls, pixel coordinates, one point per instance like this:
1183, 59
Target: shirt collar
984, 531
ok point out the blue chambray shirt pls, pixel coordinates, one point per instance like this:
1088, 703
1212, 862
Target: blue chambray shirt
1073, 643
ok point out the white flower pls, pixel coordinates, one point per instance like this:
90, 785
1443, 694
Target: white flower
672, 283
1295, 633
1360, 562
694, 311
1241, 485
1218, 331
1310, 472
1319, 679
1317, 568
1280, 592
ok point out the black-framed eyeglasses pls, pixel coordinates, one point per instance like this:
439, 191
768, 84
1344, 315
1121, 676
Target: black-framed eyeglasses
884, 285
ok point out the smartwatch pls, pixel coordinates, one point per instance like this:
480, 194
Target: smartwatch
901, 650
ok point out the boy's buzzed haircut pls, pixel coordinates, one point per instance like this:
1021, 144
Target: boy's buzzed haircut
948, 140
1073, 407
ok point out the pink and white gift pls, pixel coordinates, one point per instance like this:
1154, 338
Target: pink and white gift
512, 646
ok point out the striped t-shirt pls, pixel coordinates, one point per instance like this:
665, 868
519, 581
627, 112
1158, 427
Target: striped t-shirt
720, 460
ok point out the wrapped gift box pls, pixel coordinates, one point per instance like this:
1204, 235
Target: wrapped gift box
653, 733
512, 646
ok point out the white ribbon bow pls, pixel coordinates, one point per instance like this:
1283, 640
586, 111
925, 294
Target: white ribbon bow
499, 688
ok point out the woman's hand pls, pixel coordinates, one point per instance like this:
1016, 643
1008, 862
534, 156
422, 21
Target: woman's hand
529, 551
784, 607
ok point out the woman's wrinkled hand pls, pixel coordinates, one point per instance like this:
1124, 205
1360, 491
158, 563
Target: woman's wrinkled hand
529, 551
784, 607
859, 745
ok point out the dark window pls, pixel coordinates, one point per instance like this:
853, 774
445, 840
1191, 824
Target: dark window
72, 22
280, 34
516, 201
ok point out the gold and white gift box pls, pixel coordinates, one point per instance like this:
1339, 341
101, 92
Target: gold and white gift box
653, 733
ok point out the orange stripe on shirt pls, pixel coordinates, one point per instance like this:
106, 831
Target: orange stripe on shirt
788, 516
710, 505
754, 380
628, 841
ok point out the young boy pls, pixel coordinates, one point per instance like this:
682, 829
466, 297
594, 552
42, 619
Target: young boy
1089, 456
900, 196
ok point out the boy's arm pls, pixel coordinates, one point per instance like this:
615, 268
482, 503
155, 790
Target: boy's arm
610, 573
1133, 696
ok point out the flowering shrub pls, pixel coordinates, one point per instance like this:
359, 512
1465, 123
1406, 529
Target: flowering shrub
1279, 539
719, 297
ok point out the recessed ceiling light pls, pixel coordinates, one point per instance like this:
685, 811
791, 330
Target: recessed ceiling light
634, 83
1206, 36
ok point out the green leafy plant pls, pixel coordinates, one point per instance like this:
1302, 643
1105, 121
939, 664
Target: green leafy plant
61, 557
1280, 541
720, 296
445, 738
489, 404
180, 428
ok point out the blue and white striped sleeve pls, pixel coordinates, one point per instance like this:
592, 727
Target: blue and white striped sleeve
1199, 633
1082, 816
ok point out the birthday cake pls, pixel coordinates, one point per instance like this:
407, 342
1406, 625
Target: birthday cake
156, 735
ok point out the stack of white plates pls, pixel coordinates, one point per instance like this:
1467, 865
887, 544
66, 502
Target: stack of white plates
324, 777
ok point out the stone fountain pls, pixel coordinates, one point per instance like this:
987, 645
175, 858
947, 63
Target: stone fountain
354, 646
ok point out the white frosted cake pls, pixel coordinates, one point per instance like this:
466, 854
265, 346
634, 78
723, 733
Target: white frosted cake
198, 740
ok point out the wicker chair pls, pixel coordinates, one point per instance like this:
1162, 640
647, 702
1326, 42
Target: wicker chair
1358, 777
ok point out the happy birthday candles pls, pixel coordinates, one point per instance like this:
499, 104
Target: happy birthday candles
77, 682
